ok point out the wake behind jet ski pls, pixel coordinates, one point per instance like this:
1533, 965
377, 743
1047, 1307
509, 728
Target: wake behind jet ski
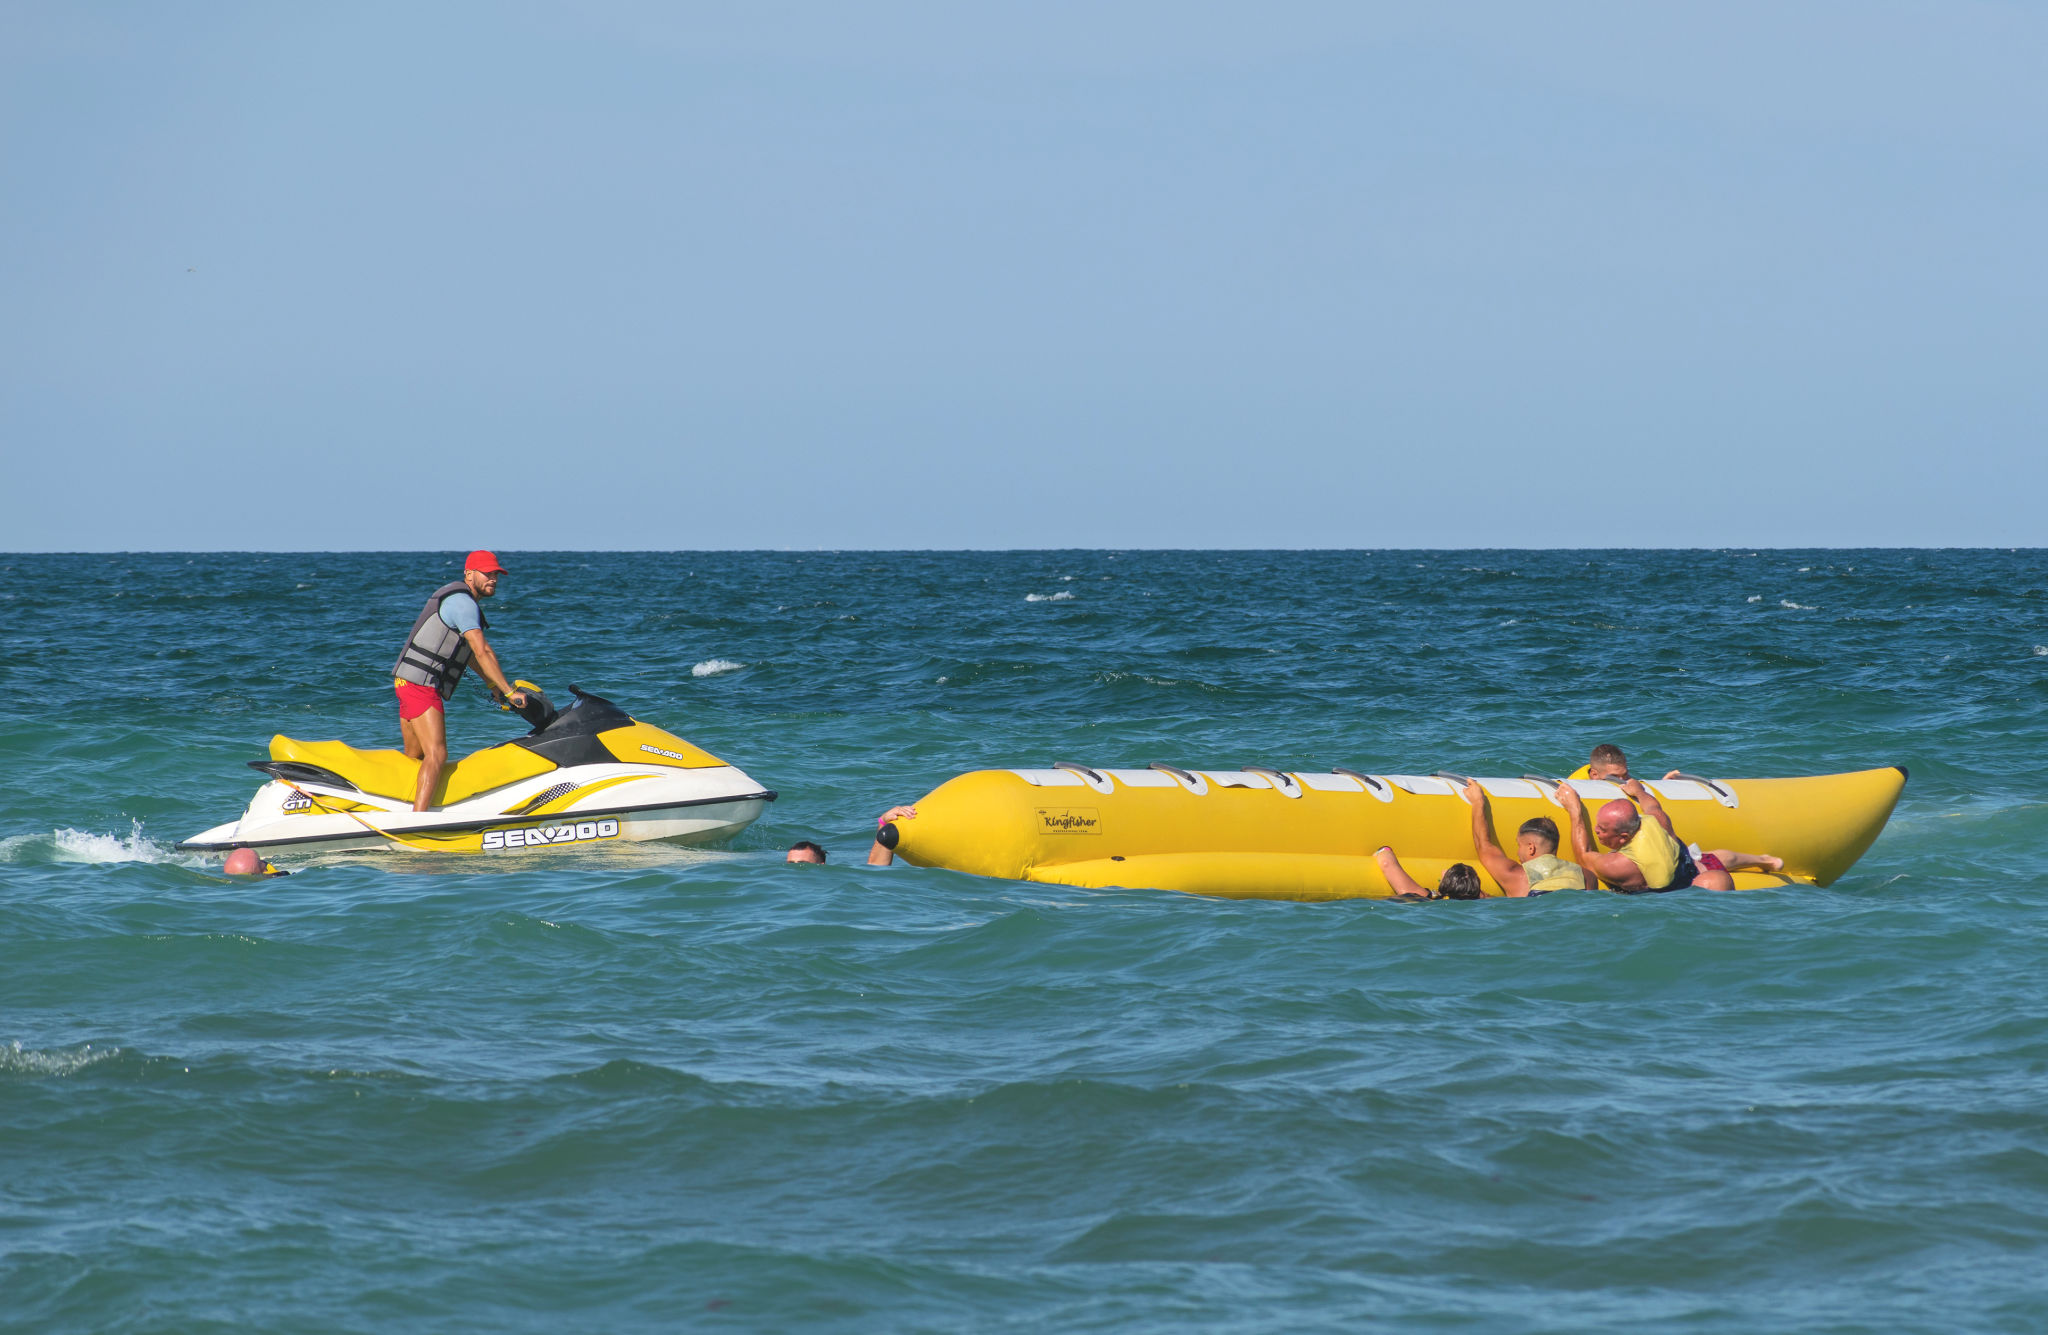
585, 776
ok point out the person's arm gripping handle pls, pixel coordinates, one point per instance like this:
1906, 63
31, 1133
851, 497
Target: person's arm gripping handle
1513, 881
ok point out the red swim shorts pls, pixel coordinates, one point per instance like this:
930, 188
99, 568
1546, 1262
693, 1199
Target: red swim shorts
1708, 862
415, 700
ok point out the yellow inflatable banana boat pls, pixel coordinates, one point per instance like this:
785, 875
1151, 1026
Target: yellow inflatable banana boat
1267, 834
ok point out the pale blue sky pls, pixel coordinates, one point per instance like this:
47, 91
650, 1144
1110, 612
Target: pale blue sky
1045, 275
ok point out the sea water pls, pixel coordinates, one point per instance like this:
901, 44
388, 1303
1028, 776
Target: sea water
660, 1088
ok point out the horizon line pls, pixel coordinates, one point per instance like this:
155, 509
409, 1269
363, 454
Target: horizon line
990, 551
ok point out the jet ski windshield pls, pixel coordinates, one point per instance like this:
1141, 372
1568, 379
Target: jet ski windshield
569, 736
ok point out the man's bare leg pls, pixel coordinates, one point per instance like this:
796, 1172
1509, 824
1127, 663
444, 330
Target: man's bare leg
1749, 861
431, 734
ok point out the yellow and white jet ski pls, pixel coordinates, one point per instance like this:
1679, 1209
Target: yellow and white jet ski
586, 776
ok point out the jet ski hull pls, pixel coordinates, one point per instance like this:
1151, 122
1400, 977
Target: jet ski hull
586, 777
697, 821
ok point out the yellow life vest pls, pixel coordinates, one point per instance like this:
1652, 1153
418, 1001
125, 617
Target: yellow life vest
1655, 853
1551, 872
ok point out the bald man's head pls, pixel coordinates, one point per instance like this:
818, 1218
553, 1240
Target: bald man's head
1617, 823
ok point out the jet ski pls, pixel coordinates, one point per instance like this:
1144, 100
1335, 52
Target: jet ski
586, 776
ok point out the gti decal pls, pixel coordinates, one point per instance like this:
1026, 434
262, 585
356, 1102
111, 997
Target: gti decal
546, 836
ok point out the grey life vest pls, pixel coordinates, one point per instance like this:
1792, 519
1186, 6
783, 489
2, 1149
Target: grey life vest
433, 654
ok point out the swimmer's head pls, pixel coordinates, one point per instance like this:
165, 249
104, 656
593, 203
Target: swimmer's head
1459, 881
1537, 837
1608, 763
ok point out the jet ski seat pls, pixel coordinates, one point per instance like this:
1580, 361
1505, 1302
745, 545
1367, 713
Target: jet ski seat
395, 774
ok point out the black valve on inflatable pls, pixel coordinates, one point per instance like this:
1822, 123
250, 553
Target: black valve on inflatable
887, 836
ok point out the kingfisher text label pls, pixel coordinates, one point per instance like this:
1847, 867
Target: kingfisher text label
1069, 820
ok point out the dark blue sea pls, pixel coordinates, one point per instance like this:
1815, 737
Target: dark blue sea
664, 1088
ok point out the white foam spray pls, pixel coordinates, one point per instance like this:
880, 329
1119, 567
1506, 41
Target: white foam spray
69, 845
18, 1060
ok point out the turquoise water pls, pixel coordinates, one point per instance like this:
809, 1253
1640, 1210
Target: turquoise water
666, 1088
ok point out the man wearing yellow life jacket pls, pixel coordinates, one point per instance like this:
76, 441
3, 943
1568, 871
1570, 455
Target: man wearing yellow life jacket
1536, 869
1608, 763
1647, 858
446, 639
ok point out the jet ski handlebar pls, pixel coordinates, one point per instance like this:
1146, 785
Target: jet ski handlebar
537, 710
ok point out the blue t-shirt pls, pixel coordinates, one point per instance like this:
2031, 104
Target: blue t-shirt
460, 613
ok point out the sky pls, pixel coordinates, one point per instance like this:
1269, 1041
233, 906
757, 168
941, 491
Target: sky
895, 275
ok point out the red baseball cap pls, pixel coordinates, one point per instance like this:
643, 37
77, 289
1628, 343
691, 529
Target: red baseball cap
487, 562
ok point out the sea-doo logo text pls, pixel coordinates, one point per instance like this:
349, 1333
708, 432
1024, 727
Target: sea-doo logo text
1069, 820
658, 751
497, 841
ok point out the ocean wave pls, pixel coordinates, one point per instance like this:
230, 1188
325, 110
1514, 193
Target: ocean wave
1112, 678
1796, 607
18, 1060
1064, 595
712, 667
2041, 649
68, 845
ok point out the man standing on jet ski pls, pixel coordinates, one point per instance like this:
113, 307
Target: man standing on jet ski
446, 639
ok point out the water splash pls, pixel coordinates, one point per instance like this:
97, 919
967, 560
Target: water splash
68, 845
18, 1060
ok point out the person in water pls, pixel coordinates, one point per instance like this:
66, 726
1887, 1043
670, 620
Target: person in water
446, 639
248, 862
1536, 869
881, 855
1459, 881
803, 850
1647, 856
1644, 857
1610, 764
